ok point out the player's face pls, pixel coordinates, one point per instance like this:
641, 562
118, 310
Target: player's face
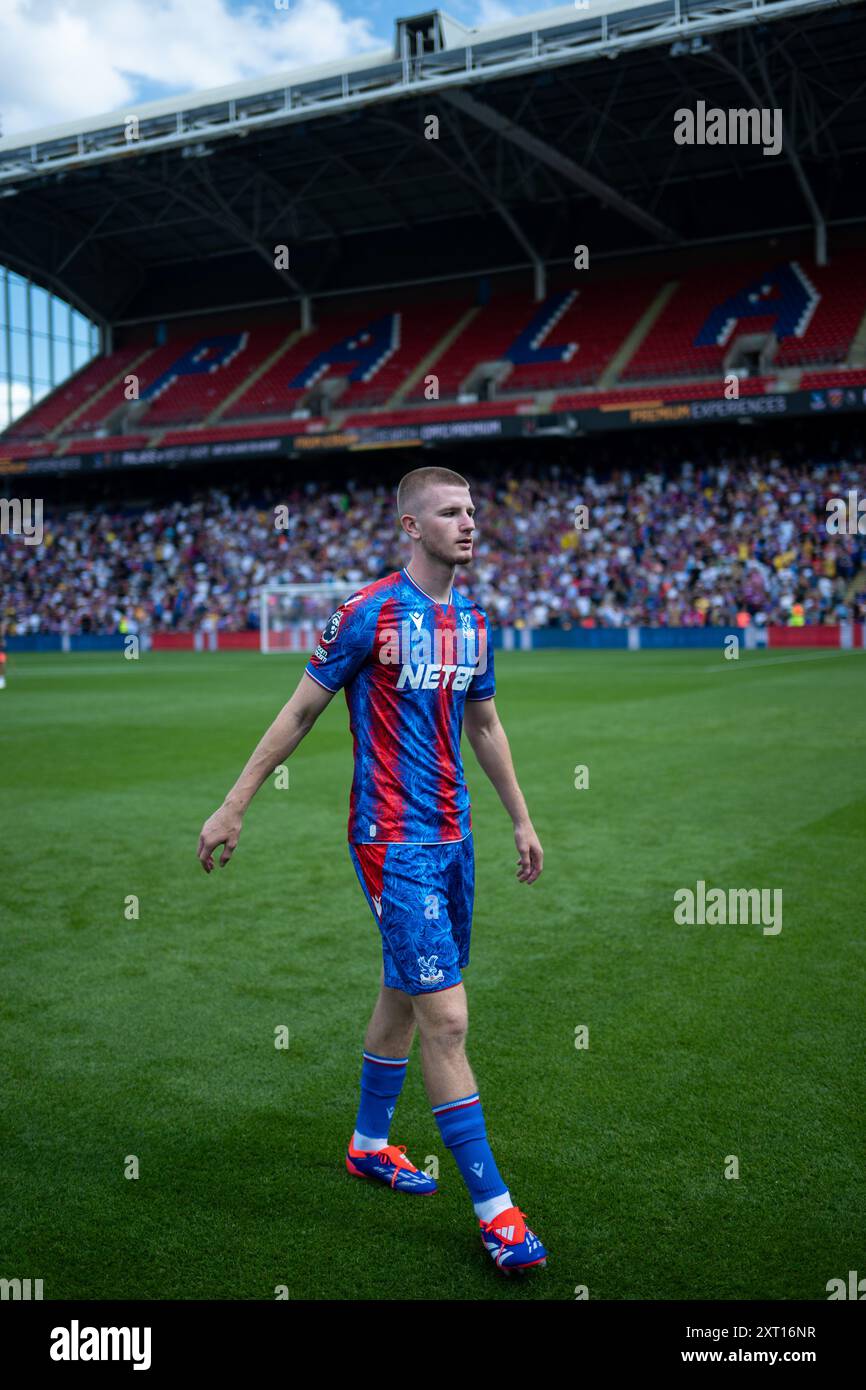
446, 522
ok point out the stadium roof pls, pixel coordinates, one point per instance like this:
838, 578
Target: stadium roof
554, 129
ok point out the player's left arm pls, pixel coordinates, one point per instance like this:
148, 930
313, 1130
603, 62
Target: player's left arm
490, 745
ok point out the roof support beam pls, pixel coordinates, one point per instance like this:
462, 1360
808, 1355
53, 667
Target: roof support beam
788, 145
220, 212
478, 182
546, 154
539, 274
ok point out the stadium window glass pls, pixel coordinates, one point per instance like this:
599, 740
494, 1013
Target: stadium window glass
18, 302
60, 312
20, 365
80, 328
62, 359
42, 340
39, 301
41, 359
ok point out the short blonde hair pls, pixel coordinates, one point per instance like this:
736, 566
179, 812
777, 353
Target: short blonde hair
414, 484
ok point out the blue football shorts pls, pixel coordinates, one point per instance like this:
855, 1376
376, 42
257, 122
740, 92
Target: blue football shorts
421, 897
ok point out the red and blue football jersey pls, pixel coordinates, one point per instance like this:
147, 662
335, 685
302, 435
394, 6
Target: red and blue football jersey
407, 665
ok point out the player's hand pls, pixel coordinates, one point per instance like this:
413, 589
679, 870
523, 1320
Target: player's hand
222, 828
531, 854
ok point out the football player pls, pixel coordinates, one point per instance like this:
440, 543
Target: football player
415, 661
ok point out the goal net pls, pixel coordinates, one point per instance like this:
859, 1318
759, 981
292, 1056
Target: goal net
292, 615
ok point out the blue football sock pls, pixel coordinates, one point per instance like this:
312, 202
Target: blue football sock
381, 1083
461, 1124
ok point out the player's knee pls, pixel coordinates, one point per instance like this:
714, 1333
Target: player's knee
444, 1026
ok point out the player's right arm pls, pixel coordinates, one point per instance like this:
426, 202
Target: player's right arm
294, 720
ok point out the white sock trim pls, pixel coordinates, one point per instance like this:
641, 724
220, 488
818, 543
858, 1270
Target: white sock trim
486, 1211
364, 1141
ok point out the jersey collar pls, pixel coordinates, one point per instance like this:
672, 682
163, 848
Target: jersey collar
450, 602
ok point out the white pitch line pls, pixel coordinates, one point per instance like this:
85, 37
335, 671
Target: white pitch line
782, 660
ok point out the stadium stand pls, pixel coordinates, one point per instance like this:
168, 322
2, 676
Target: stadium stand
691, 391
814, 381
418, 329
93, 444
690, 546
186, 380
379, 358
569, 338
814, 312
216, 434
77, 400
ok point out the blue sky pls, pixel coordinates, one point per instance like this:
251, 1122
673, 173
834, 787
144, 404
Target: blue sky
61, 60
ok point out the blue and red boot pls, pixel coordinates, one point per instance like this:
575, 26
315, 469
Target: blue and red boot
389, 1165
512, 1245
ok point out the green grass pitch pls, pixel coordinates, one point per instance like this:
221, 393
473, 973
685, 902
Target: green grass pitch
155, 1037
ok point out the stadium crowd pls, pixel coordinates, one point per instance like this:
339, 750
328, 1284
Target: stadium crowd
732, 543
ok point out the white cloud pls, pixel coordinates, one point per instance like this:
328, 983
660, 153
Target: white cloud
65, 59
494, 12
21, 402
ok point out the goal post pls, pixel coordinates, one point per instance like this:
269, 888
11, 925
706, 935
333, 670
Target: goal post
291, 616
